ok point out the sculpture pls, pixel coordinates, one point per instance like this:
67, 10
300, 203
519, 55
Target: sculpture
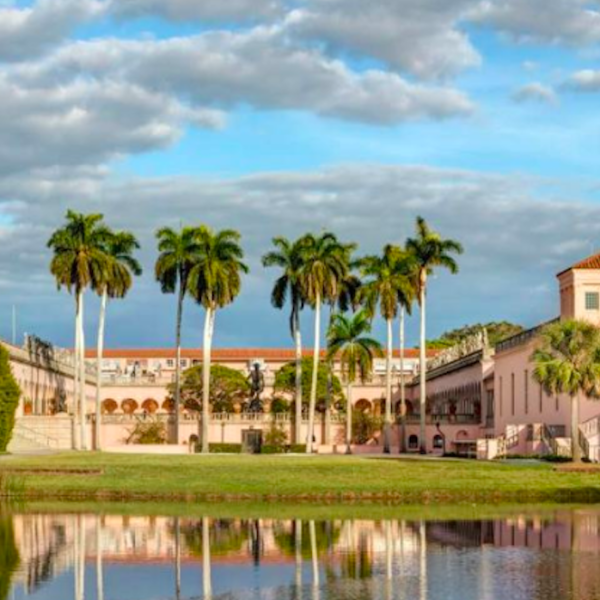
257, 387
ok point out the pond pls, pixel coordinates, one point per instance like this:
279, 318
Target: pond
528, 553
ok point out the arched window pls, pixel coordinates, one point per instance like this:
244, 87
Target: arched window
363, 406
129, 406
150, 406
413, 442
438, 442
169, 405
109, 406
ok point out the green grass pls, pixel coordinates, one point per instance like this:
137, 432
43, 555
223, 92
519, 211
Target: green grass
293, 479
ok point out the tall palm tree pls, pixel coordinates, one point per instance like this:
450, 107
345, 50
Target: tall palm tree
430, 250
381, 285
406, 267
567, 361
215, 281
349, 343
178, 254
79, 262
288, 257
325, 265
122, 266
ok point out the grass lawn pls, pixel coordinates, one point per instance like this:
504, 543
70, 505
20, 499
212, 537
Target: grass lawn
214, 478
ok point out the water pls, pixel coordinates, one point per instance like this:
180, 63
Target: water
545, 554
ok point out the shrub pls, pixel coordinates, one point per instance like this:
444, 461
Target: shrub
225, 448
276, 438
148, 434
268, 449
9, 399
279, 406
297, 448
364, 427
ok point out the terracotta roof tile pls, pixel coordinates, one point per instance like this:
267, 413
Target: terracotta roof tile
591, 262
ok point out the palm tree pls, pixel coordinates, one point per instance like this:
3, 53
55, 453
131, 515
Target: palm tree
178, 254
380, 290
215, 282
567, 361
429, 250
324, 266
288, 257
348, 342
79, 262
122, 266
405, 266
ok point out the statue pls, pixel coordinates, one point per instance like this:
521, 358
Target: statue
257, 387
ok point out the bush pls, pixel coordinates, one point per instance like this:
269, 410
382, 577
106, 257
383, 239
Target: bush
148, 434
364, 427
225, 448
9, 399
280, 406
269, 449
276, 437
297, 448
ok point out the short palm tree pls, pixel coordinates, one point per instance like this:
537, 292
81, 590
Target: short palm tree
215, 281
178, 251
79, 262
567, 361
122, 267
288, 257
381, 285
429, 250
324, 266
349, 343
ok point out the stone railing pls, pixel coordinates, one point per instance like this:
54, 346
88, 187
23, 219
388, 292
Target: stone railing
225, 418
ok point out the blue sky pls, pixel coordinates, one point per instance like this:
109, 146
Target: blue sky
278, 119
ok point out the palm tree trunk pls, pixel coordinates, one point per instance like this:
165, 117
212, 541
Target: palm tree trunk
423, 371
178, 361
99, 353
206, 350
298, 343
330, 364
298, 552
387, 428
82, 377
315, 377
575, 446
402, 385
206, 566
349, 418
75, 412
314, 554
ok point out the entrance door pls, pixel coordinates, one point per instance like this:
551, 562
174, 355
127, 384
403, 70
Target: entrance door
251, 441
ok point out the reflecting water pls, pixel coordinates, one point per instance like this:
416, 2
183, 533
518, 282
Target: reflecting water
548, 555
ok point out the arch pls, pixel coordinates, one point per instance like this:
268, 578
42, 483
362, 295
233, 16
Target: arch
109, 406
363, 406
150, 406
129, 406
413, 442
462, 435
438, 442
169, 405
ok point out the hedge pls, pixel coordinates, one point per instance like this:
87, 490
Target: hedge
9, 399
225, 448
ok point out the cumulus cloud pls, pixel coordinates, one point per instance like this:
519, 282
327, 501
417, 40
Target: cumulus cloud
507, 226
27, 32
421, 37
228, 11
535, 92
572, 22
587, 80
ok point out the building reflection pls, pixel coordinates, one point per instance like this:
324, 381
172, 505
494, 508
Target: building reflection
392, 559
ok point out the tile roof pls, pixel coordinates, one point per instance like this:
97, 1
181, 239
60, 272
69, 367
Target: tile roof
233, 354
591, 262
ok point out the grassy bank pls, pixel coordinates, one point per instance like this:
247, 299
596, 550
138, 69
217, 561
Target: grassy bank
290, 479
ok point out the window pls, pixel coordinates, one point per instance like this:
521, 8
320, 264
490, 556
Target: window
592, 301
170, 363
413, 442
438, 442
526, 392
512, 394
184, 362
501, 398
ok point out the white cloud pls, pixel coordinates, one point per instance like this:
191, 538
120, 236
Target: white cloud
535, 92
586, 80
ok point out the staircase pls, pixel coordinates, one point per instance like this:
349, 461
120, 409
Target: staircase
589, 438
33, 435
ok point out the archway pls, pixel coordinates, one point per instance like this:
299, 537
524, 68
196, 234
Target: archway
462, 435
109, 406
169, 405
364, 406
150, 406
438, 442
129, 406
413, 442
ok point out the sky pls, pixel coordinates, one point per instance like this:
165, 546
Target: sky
279, 117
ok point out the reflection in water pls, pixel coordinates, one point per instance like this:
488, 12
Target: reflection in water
524, 557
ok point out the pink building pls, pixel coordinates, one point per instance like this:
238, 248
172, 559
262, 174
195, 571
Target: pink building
480, 400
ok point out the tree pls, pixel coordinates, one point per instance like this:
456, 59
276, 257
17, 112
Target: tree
9, 555
285, 382
429, 250
215, 282
325, 265
79, 262
122, 266
10, 394
288, 257
381, 287
227, 386
178, 252
348, 342
567, 361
